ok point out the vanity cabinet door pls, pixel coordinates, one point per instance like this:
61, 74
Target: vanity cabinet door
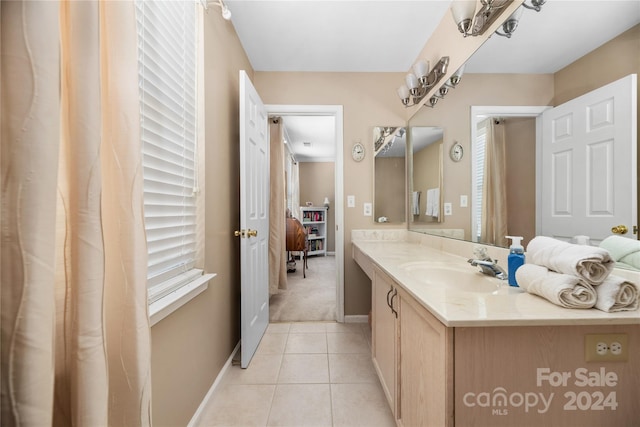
384, 334
425, 395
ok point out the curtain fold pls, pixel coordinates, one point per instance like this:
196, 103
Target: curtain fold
494, 190
75, 328
30, 143
277, 209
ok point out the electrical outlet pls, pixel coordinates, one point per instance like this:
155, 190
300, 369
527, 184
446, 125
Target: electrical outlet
367, 209
606, 348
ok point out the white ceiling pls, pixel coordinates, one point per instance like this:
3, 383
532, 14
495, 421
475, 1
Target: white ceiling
311, 138
387, 36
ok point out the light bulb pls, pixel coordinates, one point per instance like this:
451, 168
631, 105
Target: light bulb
462, 12
226, 13
403, 92
421, 68
411, 80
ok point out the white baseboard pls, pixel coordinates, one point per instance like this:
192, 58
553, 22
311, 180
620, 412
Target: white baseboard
216, 383
360, 318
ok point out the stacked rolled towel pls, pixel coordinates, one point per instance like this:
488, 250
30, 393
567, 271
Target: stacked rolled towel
562, 289
575, 276
617, 294
590, 263
623, 249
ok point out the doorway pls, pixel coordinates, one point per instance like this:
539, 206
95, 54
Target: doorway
330, 267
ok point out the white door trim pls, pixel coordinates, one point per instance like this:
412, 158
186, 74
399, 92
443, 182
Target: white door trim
336, 111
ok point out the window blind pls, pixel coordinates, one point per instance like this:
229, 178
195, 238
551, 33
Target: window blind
167, 88
480, 149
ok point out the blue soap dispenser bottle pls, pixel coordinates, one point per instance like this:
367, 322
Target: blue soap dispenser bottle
515, 259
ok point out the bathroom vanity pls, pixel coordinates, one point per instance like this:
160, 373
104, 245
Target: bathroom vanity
454, 347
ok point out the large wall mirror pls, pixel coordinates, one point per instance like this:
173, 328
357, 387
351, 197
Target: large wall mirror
389, 143
463, 122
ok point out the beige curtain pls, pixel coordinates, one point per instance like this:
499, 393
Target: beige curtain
494, 191
277, 209
75, 329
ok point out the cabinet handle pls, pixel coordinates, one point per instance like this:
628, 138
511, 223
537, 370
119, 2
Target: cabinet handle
393, 310
388, 301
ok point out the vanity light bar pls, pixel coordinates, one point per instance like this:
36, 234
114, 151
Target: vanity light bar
417, 87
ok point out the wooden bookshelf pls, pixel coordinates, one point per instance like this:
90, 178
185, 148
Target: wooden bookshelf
315, 222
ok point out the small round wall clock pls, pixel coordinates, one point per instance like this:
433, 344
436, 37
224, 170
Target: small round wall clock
357, 152
456, 152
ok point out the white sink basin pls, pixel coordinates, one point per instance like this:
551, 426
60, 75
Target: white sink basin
453, 277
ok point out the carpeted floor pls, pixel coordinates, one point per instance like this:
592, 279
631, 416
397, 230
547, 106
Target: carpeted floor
310, 298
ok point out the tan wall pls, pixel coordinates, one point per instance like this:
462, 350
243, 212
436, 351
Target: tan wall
317, 181
610, 62
390, 189
520, 134
369, 100
453, 115
190, 346
426, 175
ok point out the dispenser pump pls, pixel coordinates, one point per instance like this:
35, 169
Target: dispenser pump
515, 259
516, 245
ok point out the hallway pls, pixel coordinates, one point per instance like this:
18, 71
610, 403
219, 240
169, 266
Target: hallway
304, 374
307, 299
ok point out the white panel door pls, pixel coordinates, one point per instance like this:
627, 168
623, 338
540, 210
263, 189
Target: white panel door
254, 218
589, 164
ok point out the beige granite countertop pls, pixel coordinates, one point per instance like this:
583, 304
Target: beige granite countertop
471, 299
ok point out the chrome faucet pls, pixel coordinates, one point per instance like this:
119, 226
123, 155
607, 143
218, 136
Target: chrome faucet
487, 265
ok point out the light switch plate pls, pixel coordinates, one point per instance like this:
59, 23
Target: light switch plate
463, 201
448, 209
367, 209
351, 201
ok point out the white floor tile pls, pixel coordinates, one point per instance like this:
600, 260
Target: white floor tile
304, 368
347, 343
306, 343
360, 405
263, 369
298, 405
351, 368
239, 406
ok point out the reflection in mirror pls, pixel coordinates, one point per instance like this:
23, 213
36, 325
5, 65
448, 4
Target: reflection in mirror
425, 199
503, 142
543, 90
389, 174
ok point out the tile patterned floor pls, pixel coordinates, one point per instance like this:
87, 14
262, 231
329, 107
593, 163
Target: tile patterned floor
304, 374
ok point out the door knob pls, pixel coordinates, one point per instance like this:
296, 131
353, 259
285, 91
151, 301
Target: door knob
619, 229
252, 233
238, 233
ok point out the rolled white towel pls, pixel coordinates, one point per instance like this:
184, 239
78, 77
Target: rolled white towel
623, 249
617, 294
561, 289
590, 263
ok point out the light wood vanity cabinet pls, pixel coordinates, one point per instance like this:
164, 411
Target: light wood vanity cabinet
489, 369
425, 396
384, 334
412, 353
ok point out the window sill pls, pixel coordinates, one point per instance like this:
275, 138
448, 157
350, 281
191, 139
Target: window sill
166, 305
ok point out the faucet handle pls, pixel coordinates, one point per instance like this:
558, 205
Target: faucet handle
480, 252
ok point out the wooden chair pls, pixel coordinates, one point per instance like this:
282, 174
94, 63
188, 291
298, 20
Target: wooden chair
297, 241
